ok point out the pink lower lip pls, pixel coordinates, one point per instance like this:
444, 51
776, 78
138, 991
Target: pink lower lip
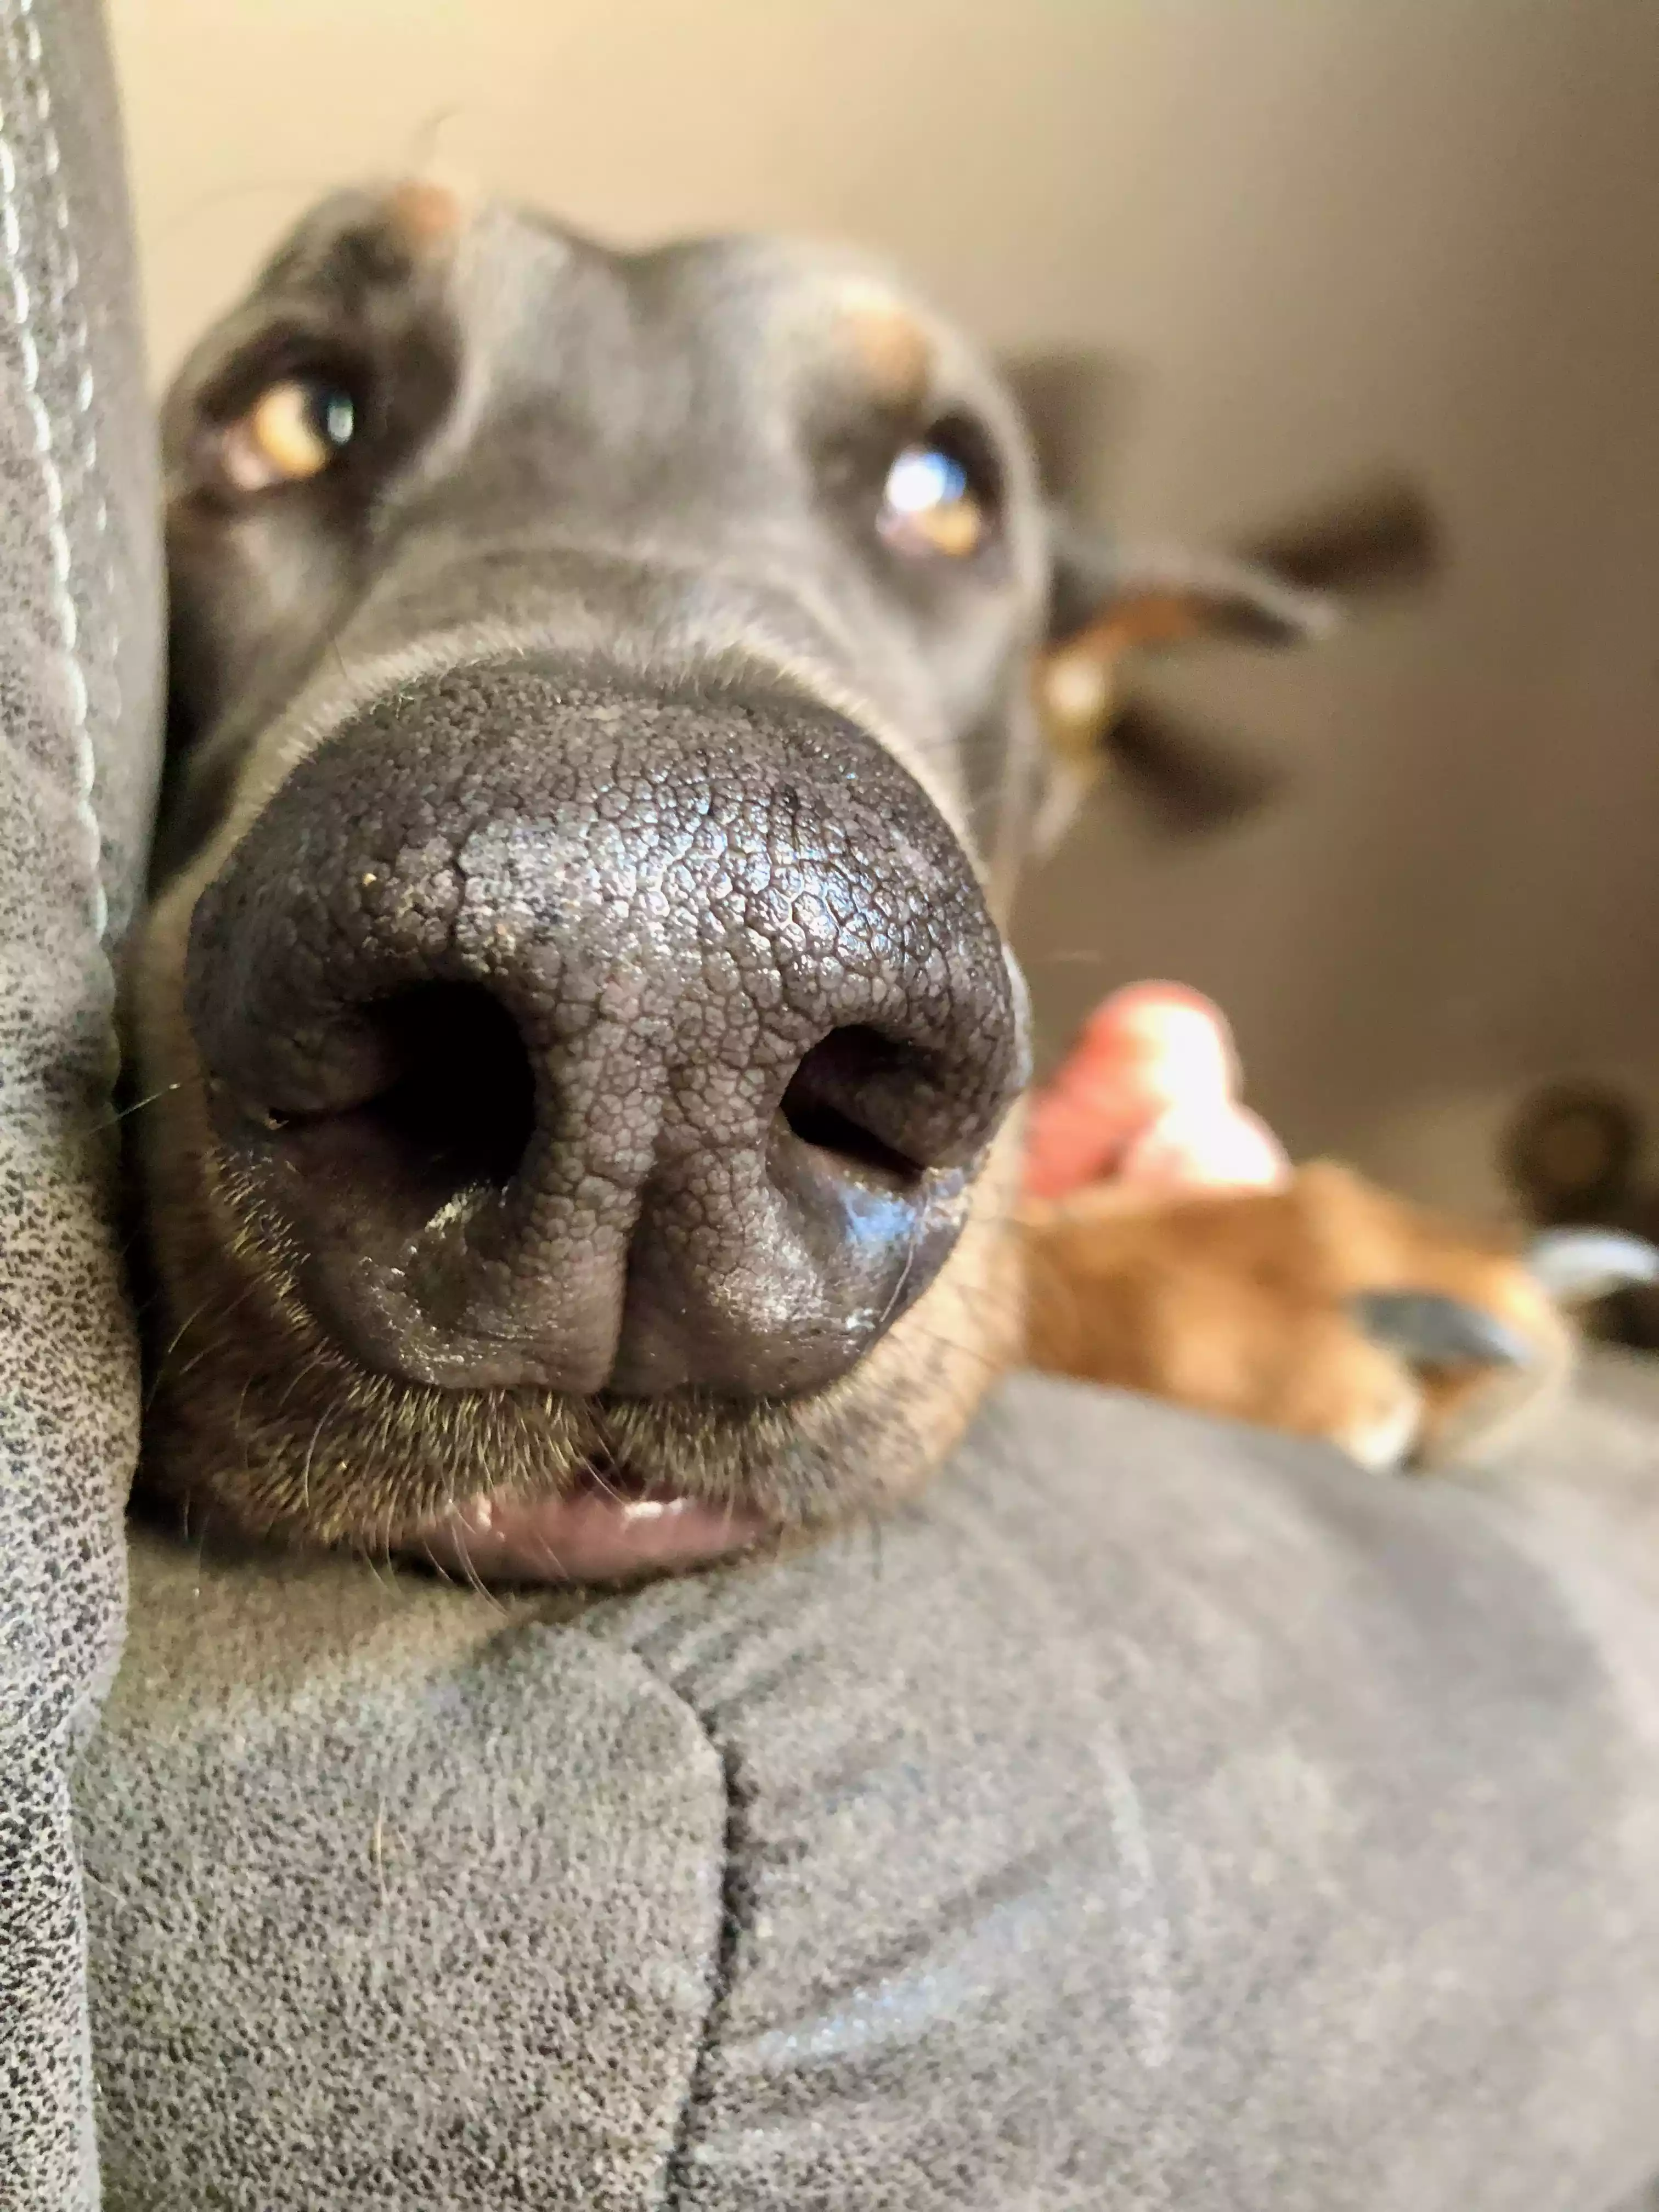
590, 1536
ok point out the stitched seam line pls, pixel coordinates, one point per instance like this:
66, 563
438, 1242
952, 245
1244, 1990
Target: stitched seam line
64, 282
735, 1912
67, 292
734, 1920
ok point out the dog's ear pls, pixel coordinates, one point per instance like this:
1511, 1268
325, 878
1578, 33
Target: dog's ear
1109, 603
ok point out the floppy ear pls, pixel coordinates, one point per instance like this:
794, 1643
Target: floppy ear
1109, 603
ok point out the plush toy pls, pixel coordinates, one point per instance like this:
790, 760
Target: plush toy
1148, 1096
1173, 1248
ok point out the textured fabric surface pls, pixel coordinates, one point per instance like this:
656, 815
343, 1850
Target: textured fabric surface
413, 1901
1157, 1815
80, 635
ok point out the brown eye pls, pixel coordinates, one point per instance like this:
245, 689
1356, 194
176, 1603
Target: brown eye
292, 431
929, 505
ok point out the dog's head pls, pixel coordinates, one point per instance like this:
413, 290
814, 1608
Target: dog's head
581, 1035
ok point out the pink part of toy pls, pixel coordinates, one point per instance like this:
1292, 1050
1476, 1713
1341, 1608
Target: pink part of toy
1206, 1148
1148, 1094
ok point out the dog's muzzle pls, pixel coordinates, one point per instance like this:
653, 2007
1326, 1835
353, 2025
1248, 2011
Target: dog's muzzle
561, 1036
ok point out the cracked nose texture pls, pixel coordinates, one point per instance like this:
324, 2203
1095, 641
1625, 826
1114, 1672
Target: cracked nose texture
561, 1036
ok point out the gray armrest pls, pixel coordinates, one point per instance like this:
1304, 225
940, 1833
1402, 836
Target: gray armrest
1158, 1814
79, 640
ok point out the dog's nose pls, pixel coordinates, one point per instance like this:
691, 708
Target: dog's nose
564, 1037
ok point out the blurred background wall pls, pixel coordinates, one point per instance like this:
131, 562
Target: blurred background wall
1310, 239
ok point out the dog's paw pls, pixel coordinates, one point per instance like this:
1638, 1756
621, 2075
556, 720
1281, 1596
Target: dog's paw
1326, 1307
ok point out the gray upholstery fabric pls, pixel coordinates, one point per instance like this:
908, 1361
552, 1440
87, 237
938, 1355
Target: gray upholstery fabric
79, 633
1157, 1815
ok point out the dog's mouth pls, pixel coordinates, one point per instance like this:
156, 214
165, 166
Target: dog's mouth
613, 1527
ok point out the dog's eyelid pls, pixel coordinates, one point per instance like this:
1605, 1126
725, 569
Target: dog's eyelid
290, 350
287, 404
966, 435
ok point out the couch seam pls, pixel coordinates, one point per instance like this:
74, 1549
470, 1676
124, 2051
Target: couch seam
65, 281
733, 1925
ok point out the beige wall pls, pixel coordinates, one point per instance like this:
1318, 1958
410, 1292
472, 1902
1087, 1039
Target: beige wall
1321, 234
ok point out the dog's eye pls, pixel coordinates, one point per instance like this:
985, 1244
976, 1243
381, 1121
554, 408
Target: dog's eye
293, 430
929, 504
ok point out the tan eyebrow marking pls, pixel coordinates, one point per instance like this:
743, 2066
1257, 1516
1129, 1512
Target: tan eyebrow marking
894, 350
428, 214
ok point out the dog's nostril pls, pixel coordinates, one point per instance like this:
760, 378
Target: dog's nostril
832, 1101
457, 1106
465, 1094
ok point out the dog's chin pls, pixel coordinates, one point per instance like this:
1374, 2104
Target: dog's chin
286, 1438
610, 1528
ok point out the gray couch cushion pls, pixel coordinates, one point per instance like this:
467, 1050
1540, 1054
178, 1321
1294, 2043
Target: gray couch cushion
1158, 1814
80, 637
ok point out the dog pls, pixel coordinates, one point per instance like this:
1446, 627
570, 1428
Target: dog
611, 698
